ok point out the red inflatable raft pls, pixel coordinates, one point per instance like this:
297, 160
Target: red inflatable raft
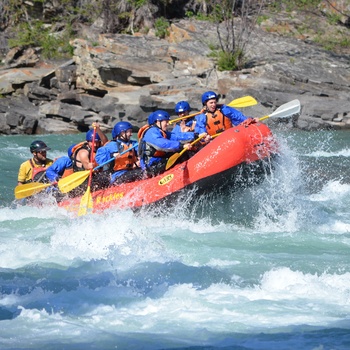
241, 155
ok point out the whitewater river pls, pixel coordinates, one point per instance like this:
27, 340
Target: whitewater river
263, 268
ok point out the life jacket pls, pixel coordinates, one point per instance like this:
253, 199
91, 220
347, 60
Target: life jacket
67, 172
75, 151
217, 122
141, 131
126, 160
146, 151
38, 173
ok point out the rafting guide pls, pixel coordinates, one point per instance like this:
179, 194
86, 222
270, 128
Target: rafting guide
34, 169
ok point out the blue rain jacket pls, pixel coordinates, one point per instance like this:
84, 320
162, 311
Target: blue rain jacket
171, 144
57, 168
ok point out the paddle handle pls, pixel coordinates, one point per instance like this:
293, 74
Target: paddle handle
192, 143
245, 101
184, 117
92, 155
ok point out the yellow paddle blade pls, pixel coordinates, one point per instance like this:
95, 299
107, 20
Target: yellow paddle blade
173, 159
70, 182
245, 101
86, 203
27, 190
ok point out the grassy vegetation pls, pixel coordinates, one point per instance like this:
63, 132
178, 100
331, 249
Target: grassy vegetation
32, 31
53, 45
161, 26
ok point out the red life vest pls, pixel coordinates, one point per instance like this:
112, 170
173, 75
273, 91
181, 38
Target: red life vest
38, 173
217, 122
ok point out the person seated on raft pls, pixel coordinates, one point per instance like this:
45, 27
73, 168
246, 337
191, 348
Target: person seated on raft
217, 118
157, 144
33, 170
81, 156
81, 152
124, 167
61, 167
183, 109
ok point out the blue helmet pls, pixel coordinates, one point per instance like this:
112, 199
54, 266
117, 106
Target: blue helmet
159, 116
182, 106
208, 96
119, 128
70, 149
150, 119
90, 134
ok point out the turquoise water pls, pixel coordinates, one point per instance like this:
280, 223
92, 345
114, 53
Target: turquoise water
263, 268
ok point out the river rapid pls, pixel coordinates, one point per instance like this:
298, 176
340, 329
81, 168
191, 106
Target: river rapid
267, 267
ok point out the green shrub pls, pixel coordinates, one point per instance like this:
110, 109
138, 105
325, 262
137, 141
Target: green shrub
161, 26
228, 61
53, 45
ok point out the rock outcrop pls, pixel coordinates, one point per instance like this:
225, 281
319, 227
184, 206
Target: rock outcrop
122, 77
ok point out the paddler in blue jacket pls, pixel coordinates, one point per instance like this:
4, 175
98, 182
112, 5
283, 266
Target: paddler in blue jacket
183, 109
55, 171
157, 144
125, 164
216, 119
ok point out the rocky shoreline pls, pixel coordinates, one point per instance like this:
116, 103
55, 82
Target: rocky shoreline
122, 77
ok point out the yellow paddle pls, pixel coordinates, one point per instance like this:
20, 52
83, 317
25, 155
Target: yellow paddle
86, 200
245, 101
72, 181
29, 189
177, 155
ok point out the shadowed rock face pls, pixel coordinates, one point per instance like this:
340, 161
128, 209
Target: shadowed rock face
124, 77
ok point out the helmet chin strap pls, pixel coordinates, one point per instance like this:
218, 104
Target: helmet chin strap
123, 137
38, 161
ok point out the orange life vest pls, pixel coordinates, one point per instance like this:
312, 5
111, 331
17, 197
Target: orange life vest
125, 161
217, 122
141, 131
67, 172
76, 149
